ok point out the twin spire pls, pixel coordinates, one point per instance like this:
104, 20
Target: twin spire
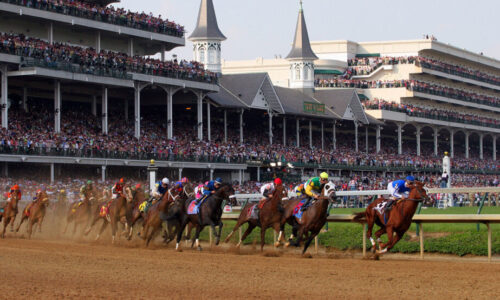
207, 27
301, 48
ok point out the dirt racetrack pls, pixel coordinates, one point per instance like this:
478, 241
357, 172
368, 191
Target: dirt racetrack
58, 268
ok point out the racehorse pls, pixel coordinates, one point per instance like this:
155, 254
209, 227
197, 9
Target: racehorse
312, 221
138, 198
9, 214
210, 214
269, 216
80, 212
112, 212
35, 212
397, 220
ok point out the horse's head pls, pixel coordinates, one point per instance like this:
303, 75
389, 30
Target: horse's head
188, 190
329, 191
281, 193
138, 195
128, 194
418, 192
42, 197
226, 192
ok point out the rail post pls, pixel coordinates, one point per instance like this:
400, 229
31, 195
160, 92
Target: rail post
489, 241
328, 214
316, 244
419, 208
421, 240
481, 204
210, 235
364, 238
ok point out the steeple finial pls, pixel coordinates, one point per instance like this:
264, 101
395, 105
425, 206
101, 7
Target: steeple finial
301, 48
301, 5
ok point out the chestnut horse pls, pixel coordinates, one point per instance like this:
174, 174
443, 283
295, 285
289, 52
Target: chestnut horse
210, 213
312, 220
35, 212
118, 210
397, 220
269, 216
80, 212
9, 214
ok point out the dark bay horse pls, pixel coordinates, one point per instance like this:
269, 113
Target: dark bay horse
35, 212
312, 220
269, 216
210, 214
112, 212
9, 214
80, 212
397, 220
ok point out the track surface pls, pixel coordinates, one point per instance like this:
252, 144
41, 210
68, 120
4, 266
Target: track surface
58, 268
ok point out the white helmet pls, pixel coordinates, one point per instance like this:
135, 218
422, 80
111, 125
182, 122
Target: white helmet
165, 181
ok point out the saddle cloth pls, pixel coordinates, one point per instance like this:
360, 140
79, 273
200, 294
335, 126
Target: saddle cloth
193, 209
252, 212
381, 207
297, 211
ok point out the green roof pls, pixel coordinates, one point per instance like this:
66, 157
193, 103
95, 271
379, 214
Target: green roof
333, 72
368, 55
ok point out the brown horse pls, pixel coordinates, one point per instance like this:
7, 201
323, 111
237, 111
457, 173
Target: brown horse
312, 220
35, 212
9, 214
138, 198
397, 220
112, 212
269, 216
80, 212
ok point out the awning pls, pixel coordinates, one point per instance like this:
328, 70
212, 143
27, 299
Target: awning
333, 72
363, 97
368, 55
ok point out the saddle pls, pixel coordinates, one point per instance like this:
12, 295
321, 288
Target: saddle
104, 212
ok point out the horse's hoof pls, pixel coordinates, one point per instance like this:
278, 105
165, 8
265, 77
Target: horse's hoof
199, 248
287, 245
278, 244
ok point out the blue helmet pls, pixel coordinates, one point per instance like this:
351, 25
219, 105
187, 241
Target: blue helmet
218, 180
410, 178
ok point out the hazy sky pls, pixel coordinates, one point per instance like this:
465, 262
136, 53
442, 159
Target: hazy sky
263, 28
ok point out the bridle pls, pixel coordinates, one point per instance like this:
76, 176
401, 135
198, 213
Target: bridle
189, 195
422, 198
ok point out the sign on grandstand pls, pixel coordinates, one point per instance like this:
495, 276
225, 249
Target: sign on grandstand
314, 108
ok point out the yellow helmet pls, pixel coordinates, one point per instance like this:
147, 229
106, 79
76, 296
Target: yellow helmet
62, 191
323, 175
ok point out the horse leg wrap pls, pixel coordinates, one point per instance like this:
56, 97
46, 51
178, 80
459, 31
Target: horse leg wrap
197, 243
372, 241
280, 235
177, 246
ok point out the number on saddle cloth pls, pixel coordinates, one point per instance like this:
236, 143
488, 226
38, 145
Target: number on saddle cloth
194, 208
380, 207
253, 212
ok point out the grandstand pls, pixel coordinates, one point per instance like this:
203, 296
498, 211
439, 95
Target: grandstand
81, 88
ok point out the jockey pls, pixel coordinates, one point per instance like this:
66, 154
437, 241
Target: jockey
85, 188
299, 189
399, 189
313, 188
209, 189
117, 188
14, 190
161, 187
179, 185
198, 190
267, 190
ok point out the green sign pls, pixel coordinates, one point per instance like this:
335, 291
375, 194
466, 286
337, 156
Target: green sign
314, 108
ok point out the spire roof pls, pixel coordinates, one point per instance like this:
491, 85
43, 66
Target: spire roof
206, 27
301, 48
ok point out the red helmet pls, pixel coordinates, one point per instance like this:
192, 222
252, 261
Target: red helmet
122, 180
278, 181
15, 187
138, 186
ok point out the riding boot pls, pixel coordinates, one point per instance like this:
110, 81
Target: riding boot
389, 205
303, 208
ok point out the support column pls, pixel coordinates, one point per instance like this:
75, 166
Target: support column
418, 133
284, 131
103, 173
241, 125
400, 138
200, 116
180, 174
270, 129
209, 135
467, 134
481, 150
6, 169
170, 113
98, 42
258, 174
50, 33
126, 109
137, 111
322, 136
5, 95
94, 106
366, 138
104, 110
131, 47
241, 176
225, 125
378, 137
435, 141
57, 106
298, 133
310, 134
356, 135
163, 50
495, 149
25, 99
452, 143
211, 174
52, 173
334, 135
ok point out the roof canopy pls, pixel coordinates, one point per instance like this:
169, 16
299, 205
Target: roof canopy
206, 26
301, 48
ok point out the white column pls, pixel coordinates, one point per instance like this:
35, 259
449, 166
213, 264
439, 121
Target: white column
57, 106
400, 138
494, 148
378, 137
322, 136
298, 133
126, 109
137, 111
170, 114
105, 110
209, 136
225, 125
131, 47
25, 99
366, 138
435, 141
452, 143
418, 133
163, 52
94, 106
334, 135
241, 125
5, 96
258, 174
356, 135
50, 33
52, 173
284, 131
180, 174
467, 134
310, 134
103, 173
211, 174
241, 176
98, 42
481, 150
270, 128
200, 116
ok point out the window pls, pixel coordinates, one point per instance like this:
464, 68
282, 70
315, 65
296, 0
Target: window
306, 73
297, 73
211, 56
202, 55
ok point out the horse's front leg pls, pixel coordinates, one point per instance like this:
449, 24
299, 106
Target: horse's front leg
390, 236
21, 222
217, 240
12, 223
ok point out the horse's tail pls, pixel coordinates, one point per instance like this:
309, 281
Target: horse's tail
360, 217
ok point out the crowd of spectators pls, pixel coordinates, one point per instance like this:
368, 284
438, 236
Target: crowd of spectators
103, 63
360, 66
431, 113
110, 14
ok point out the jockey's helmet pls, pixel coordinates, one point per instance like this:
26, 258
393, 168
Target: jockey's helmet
122, 180
62, 191
15, 187
89, 182
410, 178
184, 180
165, 181
138, 186
218, 180
278, 181
323, 176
